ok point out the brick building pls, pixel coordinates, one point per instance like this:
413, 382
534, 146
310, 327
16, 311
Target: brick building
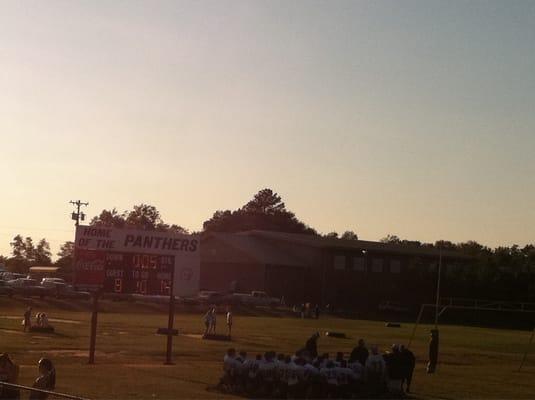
348, 274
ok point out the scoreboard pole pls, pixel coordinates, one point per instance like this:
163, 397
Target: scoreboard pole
170, 322
93, 338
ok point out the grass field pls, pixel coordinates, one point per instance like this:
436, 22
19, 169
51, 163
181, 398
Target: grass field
474, 362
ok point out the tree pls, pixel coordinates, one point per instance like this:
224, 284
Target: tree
172, 228
265, 202
445, 245
110, 219
391, 239
144, 216
29, 250
17, 246
65, 256
42, 253
21, 248
265, 211
349, 235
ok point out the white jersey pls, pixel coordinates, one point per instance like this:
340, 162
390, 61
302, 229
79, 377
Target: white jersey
231, 365
344, 375
375, 365
330, 376
229, 318
247, 366
255, 368
310, 371
268, 371
282, 371
208, 318
358, 370
296, 374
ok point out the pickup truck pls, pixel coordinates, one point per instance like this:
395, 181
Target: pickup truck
256, 298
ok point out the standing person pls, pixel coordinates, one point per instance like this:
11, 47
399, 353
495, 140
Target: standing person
394, 368
409, 362
213, 321
229, 321
27, 319
207, 322
433, 352
359, 353
46, 379
311, 345
376, 371
9, 373
317, 311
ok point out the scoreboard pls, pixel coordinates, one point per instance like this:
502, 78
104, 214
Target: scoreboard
127, 261
126, 273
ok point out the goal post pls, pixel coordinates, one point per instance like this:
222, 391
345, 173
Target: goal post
476, 305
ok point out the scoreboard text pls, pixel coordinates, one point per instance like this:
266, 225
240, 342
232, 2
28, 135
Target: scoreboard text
127, 273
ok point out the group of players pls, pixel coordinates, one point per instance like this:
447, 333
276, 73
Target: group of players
305, 375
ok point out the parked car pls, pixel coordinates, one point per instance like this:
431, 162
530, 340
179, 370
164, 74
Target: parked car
210, 297
5, 289
55, 285
66, 291
9, 276
257, 298
52, 282
29, 287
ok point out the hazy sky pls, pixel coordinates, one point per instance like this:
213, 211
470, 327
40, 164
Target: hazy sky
415, 118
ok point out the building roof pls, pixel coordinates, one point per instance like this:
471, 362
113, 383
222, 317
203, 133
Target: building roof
341, 244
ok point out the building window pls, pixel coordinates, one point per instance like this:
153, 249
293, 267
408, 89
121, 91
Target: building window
340, 262
395, 266
359, 264
377, 265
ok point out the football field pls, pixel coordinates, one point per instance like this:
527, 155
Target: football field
474, 362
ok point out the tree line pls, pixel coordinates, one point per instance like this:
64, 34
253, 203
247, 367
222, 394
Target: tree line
501, 273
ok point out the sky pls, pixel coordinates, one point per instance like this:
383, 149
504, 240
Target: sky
413, 118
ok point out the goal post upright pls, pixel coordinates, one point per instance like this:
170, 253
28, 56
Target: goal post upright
478, 305
527, 350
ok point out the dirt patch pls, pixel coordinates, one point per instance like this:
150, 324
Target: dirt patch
12, 331
145, 365
72, 353
192, 335
58, 320
65, 321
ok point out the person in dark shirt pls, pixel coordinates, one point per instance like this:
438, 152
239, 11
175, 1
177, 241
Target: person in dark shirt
394, 367
27, 319
46, 379
408, 362
311, 346
360, 353
9, 373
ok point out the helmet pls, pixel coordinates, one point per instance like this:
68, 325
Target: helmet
46, 364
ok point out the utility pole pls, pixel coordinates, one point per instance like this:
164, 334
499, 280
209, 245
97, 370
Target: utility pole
77, 216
